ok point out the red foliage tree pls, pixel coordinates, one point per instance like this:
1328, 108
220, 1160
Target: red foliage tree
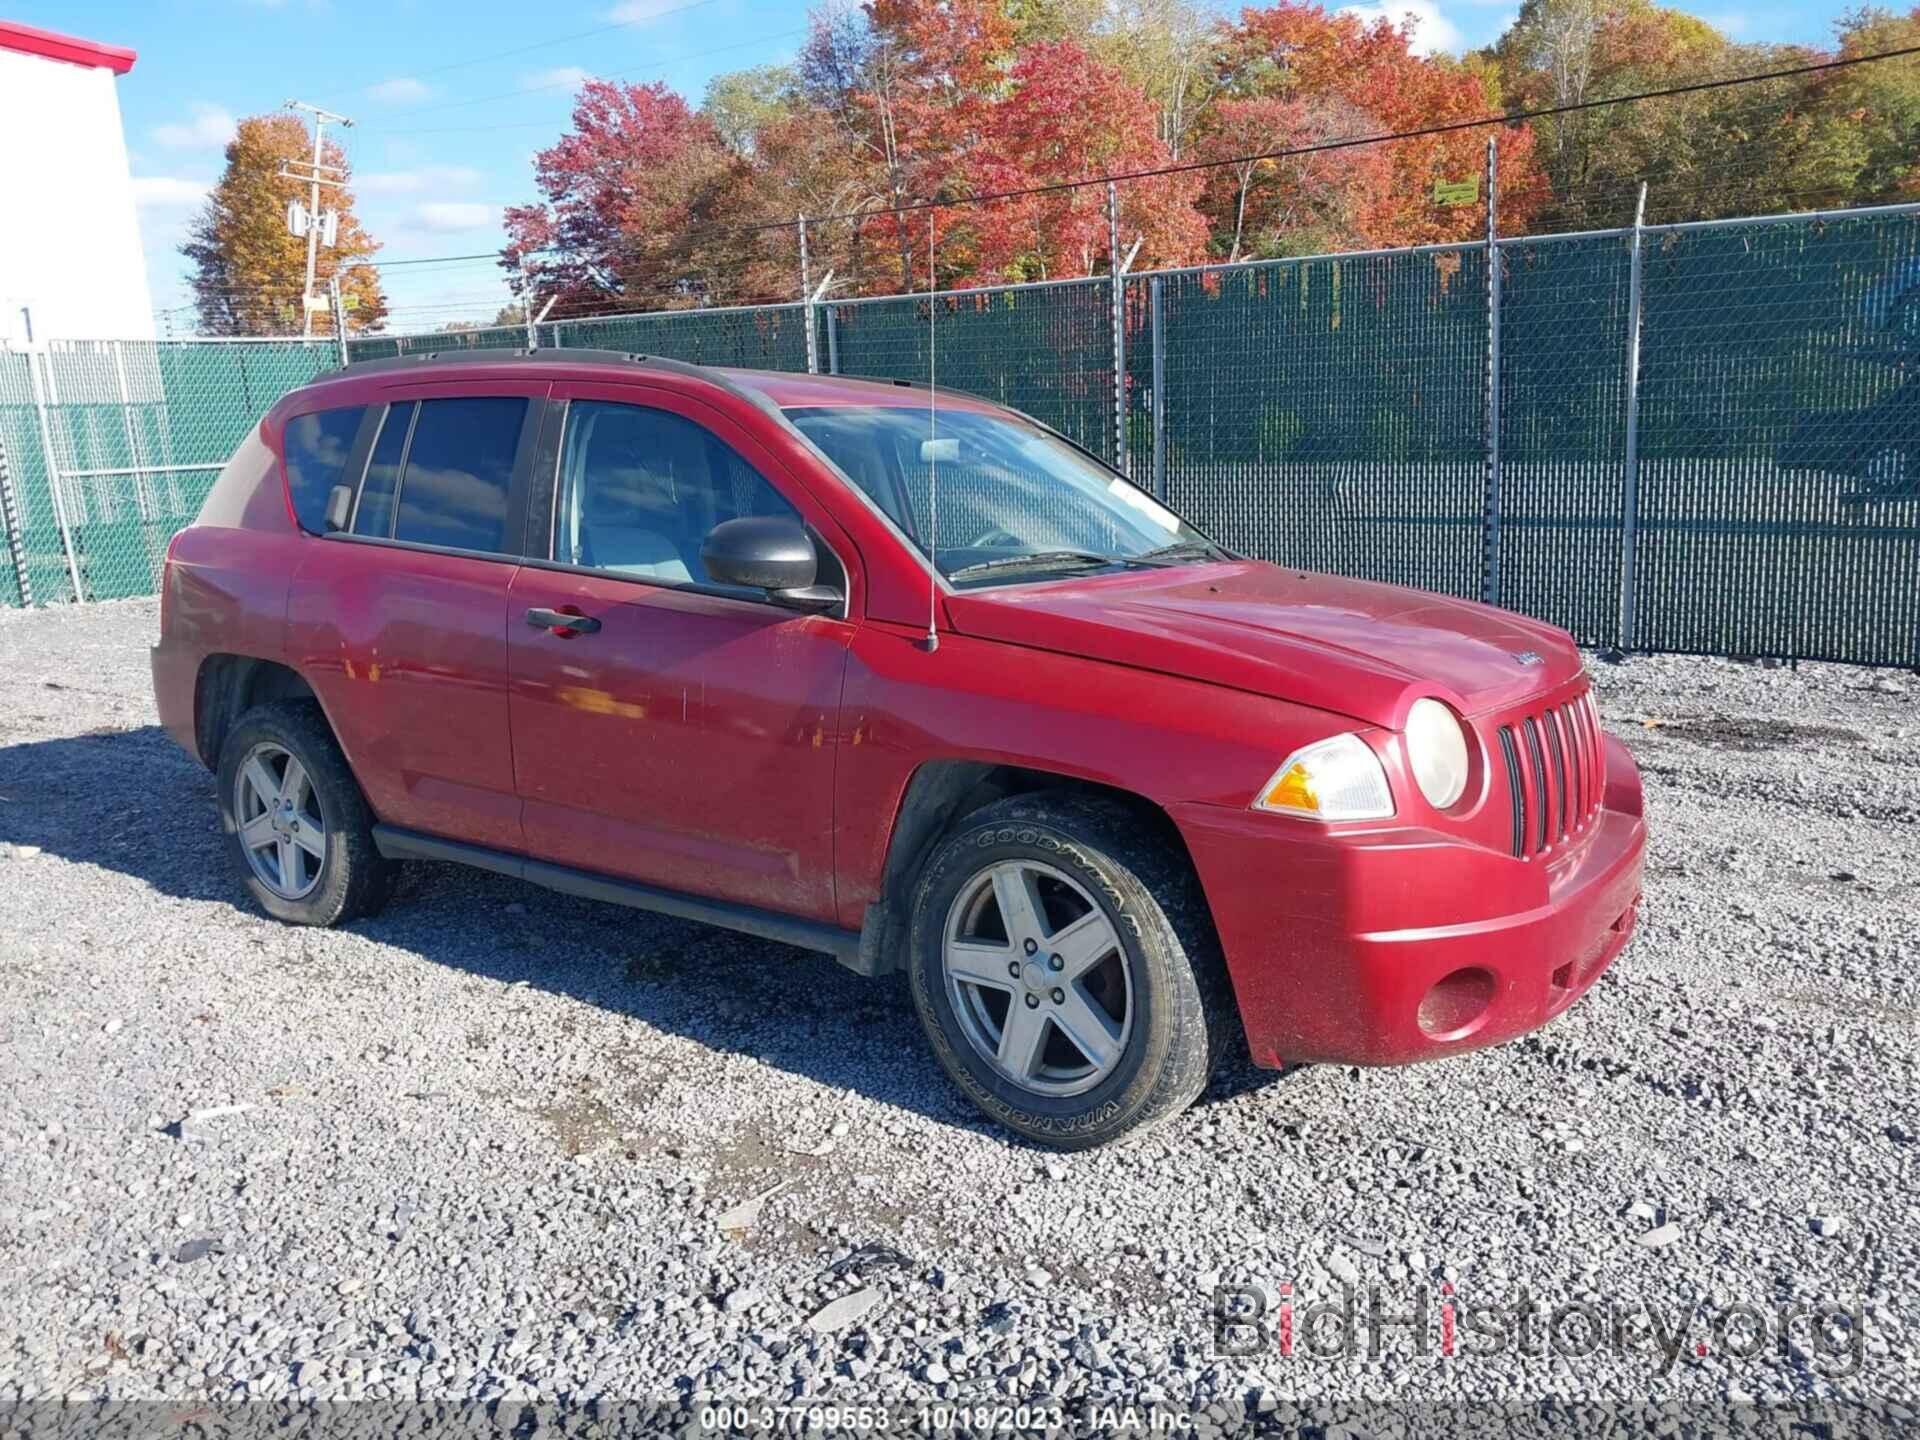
624, 191
1300, 52
1066, 116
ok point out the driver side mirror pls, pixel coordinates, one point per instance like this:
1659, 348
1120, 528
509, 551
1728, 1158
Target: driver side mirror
770, 553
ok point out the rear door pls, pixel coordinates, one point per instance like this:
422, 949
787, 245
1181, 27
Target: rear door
400, 622
689, 740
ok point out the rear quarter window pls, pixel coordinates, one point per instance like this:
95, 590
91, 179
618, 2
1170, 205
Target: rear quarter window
317, 448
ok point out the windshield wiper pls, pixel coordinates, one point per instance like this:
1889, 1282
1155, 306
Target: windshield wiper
1042, 560
1186, 550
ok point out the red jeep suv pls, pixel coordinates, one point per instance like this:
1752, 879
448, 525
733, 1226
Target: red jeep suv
906, 677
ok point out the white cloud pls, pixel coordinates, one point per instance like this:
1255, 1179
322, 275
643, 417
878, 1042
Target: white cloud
453, 216
1432, 31
401, 90
561, 77
167, 192
210, 128
412, 182
639, 12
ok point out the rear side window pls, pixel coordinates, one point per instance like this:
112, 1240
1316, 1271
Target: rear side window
459, 467
317, 447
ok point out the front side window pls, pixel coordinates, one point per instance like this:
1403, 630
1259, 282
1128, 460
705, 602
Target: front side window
1014, 501
317, 448
641, 488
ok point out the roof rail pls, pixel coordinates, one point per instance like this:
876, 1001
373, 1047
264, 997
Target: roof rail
552, 355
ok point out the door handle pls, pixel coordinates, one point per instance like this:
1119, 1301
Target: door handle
561, 622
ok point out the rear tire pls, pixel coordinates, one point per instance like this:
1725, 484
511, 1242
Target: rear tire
295, 820
1095, 1011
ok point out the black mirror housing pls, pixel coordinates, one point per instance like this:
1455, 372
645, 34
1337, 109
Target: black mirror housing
760, 552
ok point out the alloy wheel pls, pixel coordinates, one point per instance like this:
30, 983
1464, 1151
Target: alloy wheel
1037, 978
283, 831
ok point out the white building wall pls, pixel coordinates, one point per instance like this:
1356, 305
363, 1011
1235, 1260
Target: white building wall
69, 240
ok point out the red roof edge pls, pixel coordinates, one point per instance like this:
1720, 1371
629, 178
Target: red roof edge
70, 48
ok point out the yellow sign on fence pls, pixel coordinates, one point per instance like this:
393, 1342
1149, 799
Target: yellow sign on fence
1457, 192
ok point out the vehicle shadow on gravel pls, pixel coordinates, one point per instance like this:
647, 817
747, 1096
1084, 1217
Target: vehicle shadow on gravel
128, 800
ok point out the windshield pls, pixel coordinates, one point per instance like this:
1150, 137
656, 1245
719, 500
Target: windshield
1015, 503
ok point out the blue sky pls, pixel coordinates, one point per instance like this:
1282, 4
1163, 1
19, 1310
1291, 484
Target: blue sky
447, 120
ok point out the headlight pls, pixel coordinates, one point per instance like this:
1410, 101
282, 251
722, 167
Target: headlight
1437, 752
1335, 779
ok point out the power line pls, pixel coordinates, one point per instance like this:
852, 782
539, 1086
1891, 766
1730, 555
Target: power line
528, 49
668, 64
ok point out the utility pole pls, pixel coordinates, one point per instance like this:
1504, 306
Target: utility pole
806, 278
316, 176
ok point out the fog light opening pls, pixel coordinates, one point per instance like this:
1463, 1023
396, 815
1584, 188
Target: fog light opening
1457, 1003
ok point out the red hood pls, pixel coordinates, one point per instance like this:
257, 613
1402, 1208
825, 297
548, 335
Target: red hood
1349, 646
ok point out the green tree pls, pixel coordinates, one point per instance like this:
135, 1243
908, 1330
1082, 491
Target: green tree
742, 104
247, 269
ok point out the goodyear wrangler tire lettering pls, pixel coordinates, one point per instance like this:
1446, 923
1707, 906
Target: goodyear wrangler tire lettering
1134, 1043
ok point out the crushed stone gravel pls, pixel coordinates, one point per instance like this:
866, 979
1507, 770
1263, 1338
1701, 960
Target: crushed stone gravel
500, 1146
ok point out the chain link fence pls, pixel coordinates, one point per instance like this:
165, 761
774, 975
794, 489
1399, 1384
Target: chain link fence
1700, 437
109, 447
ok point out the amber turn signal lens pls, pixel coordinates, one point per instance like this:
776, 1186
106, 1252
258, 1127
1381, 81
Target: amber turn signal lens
1292, 791
1339, 778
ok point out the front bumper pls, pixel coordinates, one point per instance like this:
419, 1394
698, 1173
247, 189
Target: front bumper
1405, 944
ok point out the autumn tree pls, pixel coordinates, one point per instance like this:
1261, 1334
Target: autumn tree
248, 271
743, 103
1067, 116
1367, 74
624, 192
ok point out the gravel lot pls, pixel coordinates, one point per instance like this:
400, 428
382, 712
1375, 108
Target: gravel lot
503, 1145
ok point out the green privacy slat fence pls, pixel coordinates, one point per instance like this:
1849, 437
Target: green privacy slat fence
1045, 349
1750, 487
161, 416
769, 337
1563, 381
1779, 509
1325, 413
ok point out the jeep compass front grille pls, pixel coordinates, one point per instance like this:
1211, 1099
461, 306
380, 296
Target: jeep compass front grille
1555, 773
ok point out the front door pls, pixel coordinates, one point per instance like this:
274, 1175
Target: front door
687, 740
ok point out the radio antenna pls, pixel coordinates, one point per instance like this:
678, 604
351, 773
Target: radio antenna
933, 450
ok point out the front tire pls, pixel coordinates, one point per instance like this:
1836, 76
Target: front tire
1065, 970
295, 819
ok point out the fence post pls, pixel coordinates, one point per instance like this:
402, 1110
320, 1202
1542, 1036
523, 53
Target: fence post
40, 383
339, 307
142, 495
1155, 287
812, 300
1490, 559
1119, 331
1630, 475
11, 522
833, 341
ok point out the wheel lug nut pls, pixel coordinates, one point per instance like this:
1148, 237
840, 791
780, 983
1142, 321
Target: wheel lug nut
1013, 969
1054, 962
1030, 947
1033, 1002
1059, 996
